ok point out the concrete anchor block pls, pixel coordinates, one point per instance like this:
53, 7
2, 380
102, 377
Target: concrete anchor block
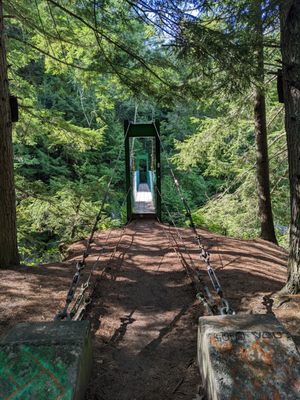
46, 361
247, 357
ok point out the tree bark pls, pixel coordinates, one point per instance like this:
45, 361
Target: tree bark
261, 140
290, 47
8, 233
75, 221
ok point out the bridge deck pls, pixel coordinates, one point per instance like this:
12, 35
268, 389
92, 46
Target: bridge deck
144, 202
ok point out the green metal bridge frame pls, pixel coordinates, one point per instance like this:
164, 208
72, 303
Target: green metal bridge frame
151, 130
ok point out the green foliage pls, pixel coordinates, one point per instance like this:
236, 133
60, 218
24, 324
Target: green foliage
222, 147
79, 73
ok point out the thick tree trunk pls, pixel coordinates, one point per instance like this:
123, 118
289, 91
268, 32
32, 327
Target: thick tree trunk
262, 168
262, 158
290, 47
8, 235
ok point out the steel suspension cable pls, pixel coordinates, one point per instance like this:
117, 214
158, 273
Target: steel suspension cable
203, 293
204, 254
80, 265
83, 299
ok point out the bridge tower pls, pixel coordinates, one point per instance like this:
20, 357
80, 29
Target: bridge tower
143, 130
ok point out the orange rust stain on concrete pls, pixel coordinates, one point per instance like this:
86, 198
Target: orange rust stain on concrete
255, 384
257, 350
291, 360
222, 347
265, 355
243, 353
248, 397
276, 395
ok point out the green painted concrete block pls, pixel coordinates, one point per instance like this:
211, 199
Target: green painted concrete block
247, 357
46, 361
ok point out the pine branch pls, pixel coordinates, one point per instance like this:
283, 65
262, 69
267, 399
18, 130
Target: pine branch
50, 55
112, 41
19, 15
57, 31
123, 78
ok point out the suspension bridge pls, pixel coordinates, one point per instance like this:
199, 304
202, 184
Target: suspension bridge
143, 286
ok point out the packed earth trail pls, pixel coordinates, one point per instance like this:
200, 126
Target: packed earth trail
144, 311
144, 320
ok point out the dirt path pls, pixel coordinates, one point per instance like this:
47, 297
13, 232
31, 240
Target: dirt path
144, 314
146, 339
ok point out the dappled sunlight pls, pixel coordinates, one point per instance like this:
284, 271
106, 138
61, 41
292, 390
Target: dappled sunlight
144, 311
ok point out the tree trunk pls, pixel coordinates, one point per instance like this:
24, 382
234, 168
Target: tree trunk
75, 221
290, 47
8, 234
262, 168
262, 158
